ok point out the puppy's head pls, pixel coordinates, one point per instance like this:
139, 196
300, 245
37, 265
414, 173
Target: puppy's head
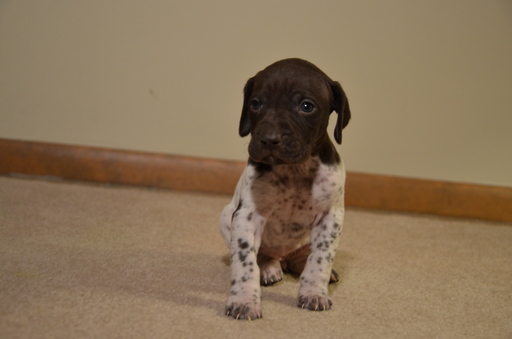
286, 110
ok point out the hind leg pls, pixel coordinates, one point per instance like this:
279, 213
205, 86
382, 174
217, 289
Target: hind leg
270, 270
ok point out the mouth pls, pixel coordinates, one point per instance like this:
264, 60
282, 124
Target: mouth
273, 158
286, 153
268, 159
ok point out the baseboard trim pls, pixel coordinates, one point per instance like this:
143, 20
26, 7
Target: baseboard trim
118, 166
219, 176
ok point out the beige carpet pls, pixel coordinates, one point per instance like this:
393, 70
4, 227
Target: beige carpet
86, 261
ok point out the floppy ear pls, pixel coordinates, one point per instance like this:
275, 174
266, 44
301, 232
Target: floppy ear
245, 124
340, 105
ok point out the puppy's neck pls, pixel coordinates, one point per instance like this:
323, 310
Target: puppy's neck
327, 152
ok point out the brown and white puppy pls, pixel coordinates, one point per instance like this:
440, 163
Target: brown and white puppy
288, 207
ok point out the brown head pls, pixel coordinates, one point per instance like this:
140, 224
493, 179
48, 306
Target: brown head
286, 110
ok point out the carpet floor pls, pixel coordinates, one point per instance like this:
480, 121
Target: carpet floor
88, 261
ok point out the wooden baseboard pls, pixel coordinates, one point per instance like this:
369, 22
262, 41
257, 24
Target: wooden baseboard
118, 167
218, 176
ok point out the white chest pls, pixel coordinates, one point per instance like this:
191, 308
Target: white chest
293, 202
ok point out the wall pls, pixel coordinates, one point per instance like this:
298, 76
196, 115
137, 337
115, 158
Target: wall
429, 82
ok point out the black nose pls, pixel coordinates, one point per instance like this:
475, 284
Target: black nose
271, 140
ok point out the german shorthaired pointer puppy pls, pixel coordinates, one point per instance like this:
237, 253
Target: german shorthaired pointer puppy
288, 207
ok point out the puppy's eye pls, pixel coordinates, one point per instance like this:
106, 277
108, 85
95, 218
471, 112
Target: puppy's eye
255, 105
307, 107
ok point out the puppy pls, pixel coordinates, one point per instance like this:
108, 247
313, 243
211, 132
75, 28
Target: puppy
288, 207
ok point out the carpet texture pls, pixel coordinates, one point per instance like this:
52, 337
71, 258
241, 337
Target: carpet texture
86, 261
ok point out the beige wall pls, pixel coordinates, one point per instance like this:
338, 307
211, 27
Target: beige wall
429, 82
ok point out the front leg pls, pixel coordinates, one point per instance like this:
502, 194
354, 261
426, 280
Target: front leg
314, 280
244, 301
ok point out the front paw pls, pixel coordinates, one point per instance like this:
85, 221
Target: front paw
243, 308
314, 301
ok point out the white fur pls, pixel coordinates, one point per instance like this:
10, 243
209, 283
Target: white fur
278, 214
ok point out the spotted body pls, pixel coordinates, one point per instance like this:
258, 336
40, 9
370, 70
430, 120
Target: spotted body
288, 207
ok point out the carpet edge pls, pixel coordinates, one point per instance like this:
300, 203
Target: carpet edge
372, 191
